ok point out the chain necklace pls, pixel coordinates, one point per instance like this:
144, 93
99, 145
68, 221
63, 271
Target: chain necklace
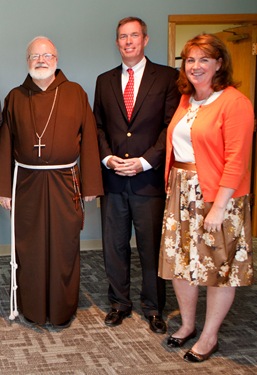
193, 110
40, 145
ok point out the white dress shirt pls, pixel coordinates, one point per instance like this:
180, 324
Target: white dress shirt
138, 74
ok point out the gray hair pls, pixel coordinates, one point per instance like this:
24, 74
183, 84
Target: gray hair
37, 38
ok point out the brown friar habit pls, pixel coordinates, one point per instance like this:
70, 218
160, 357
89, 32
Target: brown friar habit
47, 218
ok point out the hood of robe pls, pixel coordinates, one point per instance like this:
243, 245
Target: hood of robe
60, 78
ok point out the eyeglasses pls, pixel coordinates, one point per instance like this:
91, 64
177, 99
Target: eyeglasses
46, 56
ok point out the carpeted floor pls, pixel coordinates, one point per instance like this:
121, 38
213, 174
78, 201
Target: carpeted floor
89, 347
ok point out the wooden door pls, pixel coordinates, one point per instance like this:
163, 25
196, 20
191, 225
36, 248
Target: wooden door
240, 42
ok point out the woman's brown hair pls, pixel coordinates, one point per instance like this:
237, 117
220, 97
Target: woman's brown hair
214, 48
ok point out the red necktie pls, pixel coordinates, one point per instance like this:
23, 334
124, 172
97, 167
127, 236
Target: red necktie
129, 93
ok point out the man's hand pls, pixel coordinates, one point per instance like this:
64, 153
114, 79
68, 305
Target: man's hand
90, 198
130, 167
125, 167
6, 203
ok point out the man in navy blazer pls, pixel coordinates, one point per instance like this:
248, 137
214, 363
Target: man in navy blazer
133, 156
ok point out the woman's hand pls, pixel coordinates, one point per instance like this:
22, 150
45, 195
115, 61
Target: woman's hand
214, 219
215, 216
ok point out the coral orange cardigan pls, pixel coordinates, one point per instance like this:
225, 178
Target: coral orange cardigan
222, 139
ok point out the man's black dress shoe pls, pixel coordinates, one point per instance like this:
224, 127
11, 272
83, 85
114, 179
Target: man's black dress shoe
192, 356
115, 317
175, 342
157, 324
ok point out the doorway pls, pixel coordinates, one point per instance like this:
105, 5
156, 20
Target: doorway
239, 32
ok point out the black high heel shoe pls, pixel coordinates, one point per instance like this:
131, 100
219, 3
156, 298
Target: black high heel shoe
175, 342
192, 356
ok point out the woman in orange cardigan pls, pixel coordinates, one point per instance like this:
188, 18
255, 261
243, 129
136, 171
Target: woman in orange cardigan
206, 239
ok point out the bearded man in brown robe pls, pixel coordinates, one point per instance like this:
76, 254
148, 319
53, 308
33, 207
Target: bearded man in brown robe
47, 125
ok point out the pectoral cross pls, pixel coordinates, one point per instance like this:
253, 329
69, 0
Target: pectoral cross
40, 145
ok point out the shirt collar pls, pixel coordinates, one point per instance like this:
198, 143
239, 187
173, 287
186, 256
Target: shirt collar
136, 67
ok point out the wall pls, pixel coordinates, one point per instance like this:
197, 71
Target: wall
84, 33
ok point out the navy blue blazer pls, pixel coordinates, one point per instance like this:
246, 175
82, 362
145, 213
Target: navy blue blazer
145, 134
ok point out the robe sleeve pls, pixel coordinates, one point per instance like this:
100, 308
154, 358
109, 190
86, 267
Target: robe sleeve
5, 155
90, 166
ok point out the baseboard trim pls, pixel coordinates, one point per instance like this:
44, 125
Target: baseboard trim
5, 250
85, 245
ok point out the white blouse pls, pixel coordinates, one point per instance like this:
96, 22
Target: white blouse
181, 138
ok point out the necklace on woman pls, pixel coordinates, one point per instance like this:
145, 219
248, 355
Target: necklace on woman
40, 145
193, 110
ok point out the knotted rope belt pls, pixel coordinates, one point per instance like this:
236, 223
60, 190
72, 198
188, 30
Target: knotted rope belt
14, 266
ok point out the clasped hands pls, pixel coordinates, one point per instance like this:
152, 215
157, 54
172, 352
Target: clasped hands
125, 167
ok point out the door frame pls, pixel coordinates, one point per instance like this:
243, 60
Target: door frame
201, 19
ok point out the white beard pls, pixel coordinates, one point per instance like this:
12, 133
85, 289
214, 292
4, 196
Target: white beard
42, 73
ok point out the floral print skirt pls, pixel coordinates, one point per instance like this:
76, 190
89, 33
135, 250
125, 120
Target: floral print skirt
189, 252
